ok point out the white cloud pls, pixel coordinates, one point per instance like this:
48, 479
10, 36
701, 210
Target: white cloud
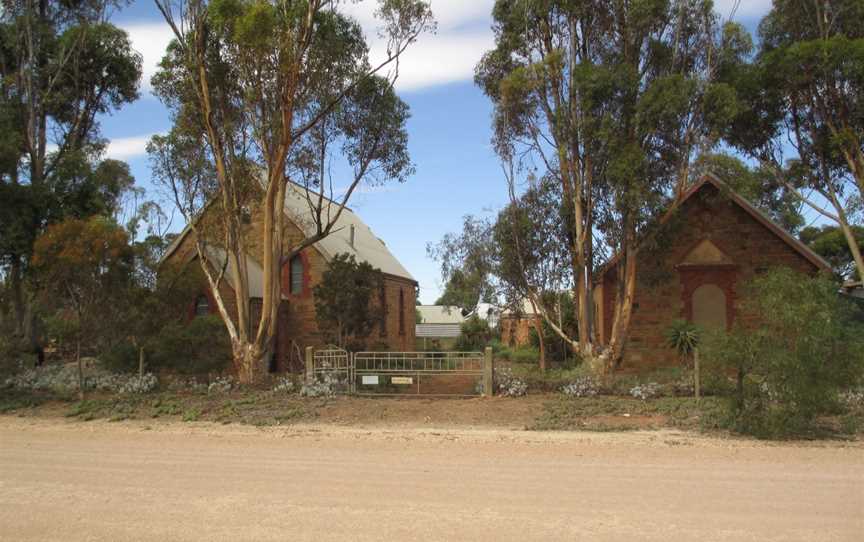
124, 148
150, 40
447, 56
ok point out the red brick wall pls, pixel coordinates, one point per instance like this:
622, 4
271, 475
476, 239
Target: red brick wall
516, 332
664, 290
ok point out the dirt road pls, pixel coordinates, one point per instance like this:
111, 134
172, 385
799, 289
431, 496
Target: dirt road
128, 481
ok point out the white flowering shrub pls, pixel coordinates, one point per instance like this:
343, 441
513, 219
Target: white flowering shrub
223, 384
508, 385
64, 378
139, 384
853, 398
585, 386
284, 385
646, 391
325, 385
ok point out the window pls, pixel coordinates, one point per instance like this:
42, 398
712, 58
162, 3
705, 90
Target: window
401, 312
383, 299
296, 275
202, 306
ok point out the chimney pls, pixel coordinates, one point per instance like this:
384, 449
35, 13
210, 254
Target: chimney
351, 241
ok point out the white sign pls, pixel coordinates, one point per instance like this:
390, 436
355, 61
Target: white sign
407, 380
370, 380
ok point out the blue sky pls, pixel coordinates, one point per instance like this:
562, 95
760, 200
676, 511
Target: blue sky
457, 171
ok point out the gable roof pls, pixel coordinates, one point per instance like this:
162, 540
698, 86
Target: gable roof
780, 232
366, 247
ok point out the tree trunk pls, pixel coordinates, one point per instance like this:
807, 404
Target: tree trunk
140, 361
853, 246
538, 327
249, 361
80, 369
17, 296
624, 304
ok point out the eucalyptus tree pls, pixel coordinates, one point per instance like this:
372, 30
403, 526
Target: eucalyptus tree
801, 112
612, 99
271, 95
62, 65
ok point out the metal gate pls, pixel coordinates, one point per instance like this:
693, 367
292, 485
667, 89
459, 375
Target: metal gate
428, 374
332, 367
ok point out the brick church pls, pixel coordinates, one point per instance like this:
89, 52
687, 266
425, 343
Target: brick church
298, 327
713, 244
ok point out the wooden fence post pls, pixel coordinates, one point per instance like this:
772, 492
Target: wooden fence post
310, 364
696, 376
488, 376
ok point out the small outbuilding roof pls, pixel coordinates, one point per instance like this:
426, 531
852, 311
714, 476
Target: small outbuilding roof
440, 314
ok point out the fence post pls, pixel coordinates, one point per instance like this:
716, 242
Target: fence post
488, 381
697, 383
310, 364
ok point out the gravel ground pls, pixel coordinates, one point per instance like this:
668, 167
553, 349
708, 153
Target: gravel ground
65, 480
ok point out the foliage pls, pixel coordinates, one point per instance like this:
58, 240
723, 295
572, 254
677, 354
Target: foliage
198, 347
80, 265
560, 309
790, 369
829, 242
467, 264
475, 335
800, 112
345, 300
274, 99
683, 337
612, 116
648, 390
63, 68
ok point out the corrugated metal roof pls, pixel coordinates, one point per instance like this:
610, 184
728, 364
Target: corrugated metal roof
440, 314
366, 246
438, 330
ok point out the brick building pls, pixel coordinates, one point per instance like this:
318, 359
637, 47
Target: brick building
298, 327
707, 250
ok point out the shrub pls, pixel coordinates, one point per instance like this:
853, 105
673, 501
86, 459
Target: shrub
645, 391
683, 337
585, 386
121, 358
792, 368
199, 347
475, 336
508, 385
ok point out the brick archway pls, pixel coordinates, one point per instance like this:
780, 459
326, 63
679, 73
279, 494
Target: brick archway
694, 276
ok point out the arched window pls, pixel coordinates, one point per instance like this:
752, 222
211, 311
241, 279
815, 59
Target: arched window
296, 275
202, 306
709, 307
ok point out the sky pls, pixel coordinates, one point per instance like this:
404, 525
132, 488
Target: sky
457, 172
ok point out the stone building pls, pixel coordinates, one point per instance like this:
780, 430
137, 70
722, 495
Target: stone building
706, 252
298, 327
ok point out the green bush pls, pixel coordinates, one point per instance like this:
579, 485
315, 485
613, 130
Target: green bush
556, 348
198, 347
791, 369
121, 358
476, 335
